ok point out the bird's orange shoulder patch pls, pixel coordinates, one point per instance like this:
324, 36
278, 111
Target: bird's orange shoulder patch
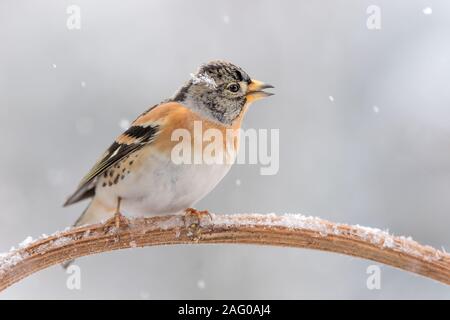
160, 114
172, 116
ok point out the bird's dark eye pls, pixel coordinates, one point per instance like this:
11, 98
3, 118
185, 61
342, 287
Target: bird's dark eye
233, 87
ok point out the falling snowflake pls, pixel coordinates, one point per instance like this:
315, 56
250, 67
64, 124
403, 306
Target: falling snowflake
124, 124
54, 66
331, 98
238, 182
427, 11
376, 109
201, 284
226, 19
83, 84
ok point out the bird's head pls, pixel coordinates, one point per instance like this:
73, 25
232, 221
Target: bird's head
221, 90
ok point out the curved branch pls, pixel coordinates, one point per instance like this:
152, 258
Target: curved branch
289, 230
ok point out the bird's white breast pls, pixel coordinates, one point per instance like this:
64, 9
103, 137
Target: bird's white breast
159, 186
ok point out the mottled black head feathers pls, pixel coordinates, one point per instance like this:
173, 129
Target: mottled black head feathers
217, 90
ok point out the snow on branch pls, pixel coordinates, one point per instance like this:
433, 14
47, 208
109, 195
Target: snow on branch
289, 230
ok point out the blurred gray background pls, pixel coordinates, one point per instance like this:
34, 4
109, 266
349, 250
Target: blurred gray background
377, 153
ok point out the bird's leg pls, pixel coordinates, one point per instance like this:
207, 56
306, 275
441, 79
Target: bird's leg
192, 219
198, 214
118, 219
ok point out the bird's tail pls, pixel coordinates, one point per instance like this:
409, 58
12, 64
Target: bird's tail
95, 212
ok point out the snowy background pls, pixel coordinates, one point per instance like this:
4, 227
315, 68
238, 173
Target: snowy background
364, 119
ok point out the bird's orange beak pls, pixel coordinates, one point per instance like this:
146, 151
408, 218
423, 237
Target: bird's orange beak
255, 90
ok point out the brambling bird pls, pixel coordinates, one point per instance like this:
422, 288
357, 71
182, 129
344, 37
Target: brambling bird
136, 175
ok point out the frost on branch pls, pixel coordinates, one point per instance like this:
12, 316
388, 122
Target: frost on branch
324, 228
293, 230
